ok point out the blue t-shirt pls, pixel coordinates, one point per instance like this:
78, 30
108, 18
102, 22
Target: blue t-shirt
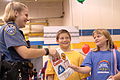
9, 38
101, 63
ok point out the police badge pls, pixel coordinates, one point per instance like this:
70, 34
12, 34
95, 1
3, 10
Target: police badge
10, 29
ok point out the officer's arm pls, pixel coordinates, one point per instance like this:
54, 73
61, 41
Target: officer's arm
27, 53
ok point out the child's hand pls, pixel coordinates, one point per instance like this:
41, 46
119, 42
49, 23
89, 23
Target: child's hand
71, 66
111, 78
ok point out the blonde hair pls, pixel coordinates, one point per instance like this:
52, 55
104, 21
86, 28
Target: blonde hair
110, 44
10, 10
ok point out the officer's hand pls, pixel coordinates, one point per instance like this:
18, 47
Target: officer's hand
53, 53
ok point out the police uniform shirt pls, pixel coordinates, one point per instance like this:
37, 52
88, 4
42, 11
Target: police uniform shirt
9, 38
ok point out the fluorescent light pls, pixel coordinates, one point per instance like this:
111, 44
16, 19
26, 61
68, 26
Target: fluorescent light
8, 0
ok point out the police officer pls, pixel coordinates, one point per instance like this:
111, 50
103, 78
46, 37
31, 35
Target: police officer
12, 43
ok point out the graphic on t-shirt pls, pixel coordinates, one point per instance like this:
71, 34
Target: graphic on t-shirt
103, 67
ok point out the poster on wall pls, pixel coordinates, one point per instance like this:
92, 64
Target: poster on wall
50, 34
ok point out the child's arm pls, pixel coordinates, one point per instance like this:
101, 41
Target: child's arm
84, 70
50, 77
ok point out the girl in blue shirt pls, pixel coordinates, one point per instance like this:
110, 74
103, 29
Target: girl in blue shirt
100, 61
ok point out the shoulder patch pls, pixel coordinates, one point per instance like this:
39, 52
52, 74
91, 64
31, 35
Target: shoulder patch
10, 29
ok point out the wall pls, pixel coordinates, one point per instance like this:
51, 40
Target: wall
67, 19
45, 9
92, 14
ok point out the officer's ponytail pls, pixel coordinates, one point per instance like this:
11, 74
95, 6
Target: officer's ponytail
11, 9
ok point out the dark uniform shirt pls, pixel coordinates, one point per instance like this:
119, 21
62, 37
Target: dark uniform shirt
9, 38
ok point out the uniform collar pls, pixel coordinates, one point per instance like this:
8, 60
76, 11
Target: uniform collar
12, 22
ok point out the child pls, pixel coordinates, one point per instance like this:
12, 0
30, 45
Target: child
63, 38
100, 61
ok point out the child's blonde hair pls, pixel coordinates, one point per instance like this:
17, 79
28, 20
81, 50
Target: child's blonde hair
110, 44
